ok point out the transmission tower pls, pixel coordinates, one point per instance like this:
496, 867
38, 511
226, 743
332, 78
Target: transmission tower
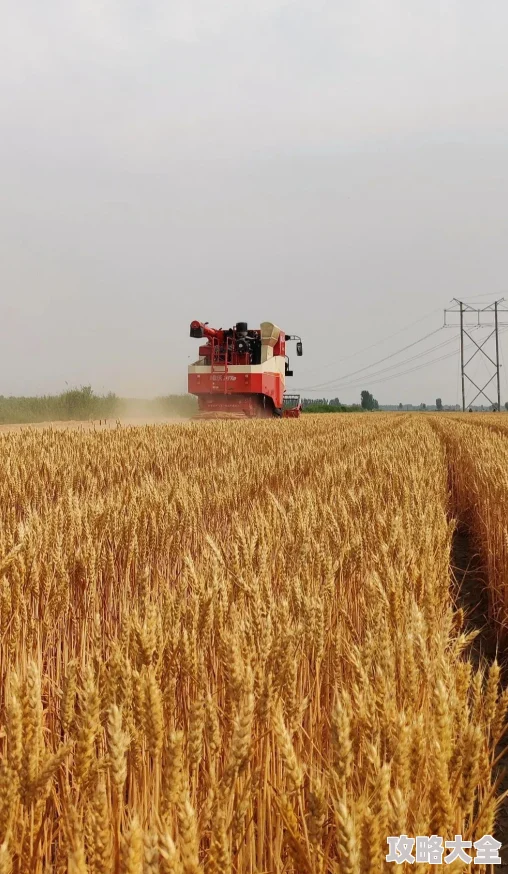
471, 317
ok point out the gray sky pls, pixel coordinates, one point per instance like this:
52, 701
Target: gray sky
339, 168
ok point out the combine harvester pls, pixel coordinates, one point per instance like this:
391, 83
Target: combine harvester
241, 373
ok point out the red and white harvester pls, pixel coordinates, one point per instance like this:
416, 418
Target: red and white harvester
241, 373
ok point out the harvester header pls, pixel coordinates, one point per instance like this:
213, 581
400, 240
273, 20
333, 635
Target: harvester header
241, 372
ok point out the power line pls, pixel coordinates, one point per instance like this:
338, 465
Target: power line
380, 379
488, 294
374, 363
353, 378
337, 383
412, 358
373, 345
383, 340
375, 380
419, 366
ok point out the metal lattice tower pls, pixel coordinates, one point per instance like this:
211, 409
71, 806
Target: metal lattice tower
483, 317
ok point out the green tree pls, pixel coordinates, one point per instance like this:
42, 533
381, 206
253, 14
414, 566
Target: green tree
368, 401
439, 404
79, 403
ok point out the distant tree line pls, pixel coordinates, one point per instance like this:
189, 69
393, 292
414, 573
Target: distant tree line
323, 405
82, 404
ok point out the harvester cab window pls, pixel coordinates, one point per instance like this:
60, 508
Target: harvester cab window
256, 350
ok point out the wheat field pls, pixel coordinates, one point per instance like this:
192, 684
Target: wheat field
237, 646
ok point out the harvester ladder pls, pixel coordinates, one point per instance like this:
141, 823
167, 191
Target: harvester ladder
219, 363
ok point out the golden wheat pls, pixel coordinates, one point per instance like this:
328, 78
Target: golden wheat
232, 646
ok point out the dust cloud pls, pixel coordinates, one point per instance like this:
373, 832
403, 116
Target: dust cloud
157, 410
123, 411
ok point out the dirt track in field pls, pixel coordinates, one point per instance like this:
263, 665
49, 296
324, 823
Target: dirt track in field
470, 590
96, 424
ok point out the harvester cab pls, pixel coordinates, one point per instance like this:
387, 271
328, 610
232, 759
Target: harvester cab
241, 372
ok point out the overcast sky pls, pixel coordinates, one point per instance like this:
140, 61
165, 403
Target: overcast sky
340, 168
